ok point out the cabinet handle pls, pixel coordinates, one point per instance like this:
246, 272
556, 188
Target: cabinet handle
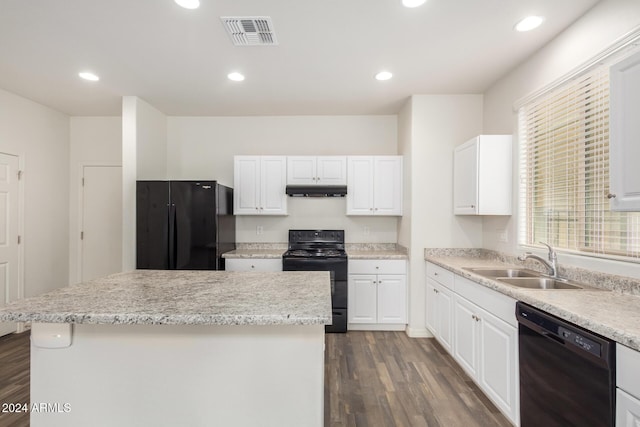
371, 209
375, 209
253, 266
435, 273
611, 196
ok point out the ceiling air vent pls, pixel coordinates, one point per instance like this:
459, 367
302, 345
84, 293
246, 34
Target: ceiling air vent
250, 30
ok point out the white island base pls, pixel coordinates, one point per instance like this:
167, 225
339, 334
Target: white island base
178, 375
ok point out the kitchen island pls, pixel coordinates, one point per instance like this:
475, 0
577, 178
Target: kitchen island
166, 348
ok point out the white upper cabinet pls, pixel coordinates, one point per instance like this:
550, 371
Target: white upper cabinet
482, 176
374, 185
260, 183
313, 170
624, 135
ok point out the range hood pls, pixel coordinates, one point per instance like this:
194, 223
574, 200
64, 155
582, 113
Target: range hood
316, 190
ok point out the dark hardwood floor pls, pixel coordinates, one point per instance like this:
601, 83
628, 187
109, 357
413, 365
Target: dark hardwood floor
14, 378
388, 379
372, 379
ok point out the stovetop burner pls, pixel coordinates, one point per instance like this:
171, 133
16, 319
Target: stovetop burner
316, 244
305, 253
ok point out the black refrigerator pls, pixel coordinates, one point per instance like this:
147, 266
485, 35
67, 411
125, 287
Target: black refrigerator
183, 225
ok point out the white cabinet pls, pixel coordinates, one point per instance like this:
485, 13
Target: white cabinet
628, 383
486, 342
253, 264
482, 177
624, 133
260, 183
312, 170
440, 313
477, 326
374, 185
377, 293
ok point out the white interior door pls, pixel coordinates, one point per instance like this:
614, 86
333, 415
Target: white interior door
101, 236
9, 252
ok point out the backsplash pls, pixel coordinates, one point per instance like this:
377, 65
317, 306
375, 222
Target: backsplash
611, 282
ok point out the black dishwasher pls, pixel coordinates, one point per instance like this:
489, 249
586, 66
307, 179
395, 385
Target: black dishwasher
567, 374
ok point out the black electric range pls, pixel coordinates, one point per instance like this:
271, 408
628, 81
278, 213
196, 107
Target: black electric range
322, 250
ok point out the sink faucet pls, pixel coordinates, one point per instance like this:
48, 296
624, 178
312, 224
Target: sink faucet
552, 264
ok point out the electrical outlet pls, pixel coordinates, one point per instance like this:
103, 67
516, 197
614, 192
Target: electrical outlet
259, 230
503, 236
366, 231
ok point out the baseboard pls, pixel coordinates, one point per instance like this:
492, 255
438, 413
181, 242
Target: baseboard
418, 332
376, 327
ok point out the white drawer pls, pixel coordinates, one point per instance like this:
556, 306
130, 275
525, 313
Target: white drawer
628, 370
494, 302
253, 264
440, 275
375, 266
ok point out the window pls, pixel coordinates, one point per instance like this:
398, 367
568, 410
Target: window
564, 172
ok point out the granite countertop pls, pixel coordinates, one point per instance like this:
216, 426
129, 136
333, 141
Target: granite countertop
354, 251
613, 314
162, 297
254, 253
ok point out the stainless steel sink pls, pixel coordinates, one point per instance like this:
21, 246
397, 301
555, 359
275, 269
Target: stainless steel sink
504, 272
525, 278
539, 283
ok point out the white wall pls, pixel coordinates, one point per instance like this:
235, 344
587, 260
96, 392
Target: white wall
203, 148
40, 136
431, 127
93, 141
144, 156
599, 28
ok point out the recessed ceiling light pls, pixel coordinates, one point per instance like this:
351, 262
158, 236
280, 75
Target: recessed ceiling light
188, 4
413, 3
383, 75
236, 77
89, 76
529, 23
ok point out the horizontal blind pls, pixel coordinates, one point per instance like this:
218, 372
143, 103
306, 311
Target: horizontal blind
564, 172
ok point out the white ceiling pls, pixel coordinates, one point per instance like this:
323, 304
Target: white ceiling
329, 50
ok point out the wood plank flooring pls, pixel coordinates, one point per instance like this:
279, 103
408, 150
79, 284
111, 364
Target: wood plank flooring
387, 379
372, 379
14, 378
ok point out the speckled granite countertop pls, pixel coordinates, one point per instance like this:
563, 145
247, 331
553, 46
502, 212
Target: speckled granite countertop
613, 314
184, 298
254, 253
354, 251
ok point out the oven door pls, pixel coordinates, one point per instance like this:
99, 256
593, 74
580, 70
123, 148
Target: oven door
337, 267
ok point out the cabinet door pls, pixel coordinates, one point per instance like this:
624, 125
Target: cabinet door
253, 264
445, 318
499, 364
387, 185
432, 307
627, 410
301, 170
360, 185
624, 135
273, 198
246, 180
465, 178
392, 299
331, 170
466, 332
362, 298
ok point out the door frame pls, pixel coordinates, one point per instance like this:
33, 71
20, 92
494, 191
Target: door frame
20, 326
80, 221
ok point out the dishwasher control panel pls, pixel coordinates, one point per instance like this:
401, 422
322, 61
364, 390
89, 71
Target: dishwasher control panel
583, 342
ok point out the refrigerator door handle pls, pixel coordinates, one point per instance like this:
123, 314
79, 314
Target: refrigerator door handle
172, 236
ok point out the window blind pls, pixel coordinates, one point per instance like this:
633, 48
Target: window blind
564, 172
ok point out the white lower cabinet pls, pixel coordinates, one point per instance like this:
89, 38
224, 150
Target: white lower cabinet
477, 326
377, 294
628, 383
440, 313
253, 264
